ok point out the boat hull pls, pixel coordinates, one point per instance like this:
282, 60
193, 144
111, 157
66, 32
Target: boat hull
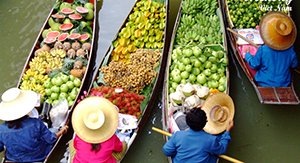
89, 65
149, 103
168, 121
266, 95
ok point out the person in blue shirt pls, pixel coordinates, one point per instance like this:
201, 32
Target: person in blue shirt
274, 60
195, 145
24, 139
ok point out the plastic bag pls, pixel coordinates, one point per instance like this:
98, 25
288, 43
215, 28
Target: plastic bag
127, 122
59, 114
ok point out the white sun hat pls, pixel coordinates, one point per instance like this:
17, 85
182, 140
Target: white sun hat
16, 103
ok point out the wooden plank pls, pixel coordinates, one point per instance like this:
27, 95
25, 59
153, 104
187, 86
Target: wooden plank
286, 94
268, 94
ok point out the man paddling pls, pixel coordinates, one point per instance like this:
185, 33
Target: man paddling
274, 60
202, 143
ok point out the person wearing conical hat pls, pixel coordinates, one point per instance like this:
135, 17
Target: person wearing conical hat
274, 60
95, 121
208, 134
24, 139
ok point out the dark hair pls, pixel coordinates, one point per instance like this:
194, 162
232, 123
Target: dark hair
196, 119
96, 147
16, 124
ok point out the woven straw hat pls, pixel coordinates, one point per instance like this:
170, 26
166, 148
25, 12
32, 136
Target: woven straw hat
95, 119
278, 30
219, 109
17, 103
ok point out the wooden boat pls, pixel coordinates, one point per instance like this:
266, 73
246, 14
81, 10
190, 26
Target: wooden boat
123, 75
266, 95
36, 72
172, 110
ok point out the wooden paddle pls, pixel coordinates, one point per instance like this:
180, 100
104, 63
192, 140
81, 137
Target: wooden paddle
221, 156
242, 37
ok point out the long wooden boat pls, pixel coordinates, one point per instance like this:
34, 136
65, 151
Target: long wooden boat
132, 69
66, 37
174, 108
266, 95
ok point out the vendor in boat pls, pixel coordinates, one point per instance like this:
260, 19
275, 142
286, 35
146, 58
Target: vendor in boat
95, 121
23, 138
208, 134
274, 60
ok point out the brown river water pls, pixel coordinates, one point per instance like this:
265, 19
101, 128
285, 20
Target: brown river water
262, 133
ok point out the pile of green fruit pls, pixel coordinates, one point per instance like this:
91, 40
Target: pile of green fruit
204, 66
199, 29
60, 87
144, 29
198, 56
247, 13
193, 7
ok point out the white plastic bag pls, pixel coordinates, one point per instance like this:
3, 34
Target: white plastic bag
59, 114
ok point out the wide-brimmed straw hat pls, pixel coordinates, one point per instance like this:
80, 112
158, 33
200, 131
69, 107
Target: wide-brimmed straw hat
17, 103
95, 119
278, 30
219, 109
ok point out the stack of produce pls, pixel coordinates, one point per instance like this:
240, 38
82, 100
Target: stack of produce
62, 54
204, 66
198, 56
134, 75
144, 29
128, 102
189, 95
247, 13
135, 59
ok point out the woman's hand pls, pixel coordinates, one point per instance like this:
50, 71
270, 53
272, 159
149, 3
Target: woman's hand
230, 125
62, 131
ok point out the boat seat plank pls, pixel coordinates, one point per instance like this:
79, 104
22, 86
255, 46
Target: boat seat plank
268, 94
286, 94
278, 95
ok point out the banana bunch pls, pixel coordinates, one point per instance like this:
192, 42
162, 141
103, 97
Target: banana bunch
192, 7
33, 80
45, 62
58, 53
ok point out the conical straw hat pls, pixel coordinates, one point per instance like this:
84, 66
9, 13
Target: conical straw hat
278, 30
219, 109
95, 119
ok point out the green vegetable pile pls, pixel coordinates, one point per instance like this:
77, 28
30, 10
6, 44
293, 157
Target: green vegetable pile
193, 7
247, 13
201, 65
199, 23
198, 56
199, 29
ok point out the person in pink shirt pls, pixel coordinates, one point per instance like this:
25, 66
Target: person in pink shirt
95, 121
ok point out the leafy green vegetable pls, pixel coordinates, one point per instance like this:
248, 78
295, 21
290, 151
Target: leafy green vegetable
80, 2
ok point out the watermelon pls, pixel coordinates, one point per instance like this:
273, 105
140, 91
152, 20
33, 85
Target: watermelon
62, 37
67, 11
75, 16
84, 37
52, 34
82, 10
74, 36
66, 27
49, 40
58, 16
